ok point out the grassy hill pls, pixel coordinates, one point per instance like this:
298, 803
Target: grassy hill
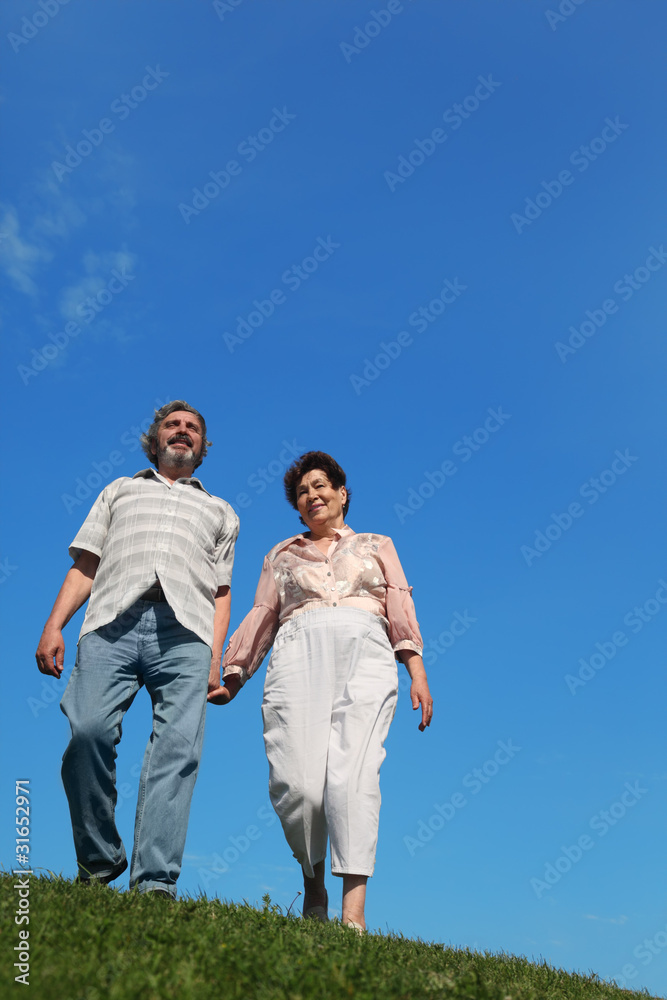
100, 944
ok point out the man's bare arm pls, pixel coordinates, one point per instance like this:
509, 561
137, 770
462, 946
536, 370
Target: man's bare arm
223, 607
75, 591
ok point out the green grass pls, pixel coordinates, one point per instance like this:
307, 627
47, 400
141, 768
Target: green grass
95, 943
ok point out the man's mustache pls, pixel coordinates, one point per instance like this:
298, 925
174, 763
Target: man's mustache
180, 437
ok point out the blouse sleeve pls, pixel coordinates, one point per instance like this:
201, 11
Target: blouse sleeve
254, 637
403, 627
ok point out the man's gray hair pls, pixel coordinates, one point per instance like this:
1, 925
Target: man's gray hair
150, 437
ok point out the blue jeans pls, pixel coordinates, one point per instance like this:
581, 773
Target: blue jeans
144, 646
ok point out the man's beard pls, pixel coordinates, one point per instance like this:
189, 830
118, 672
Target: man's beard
176, 458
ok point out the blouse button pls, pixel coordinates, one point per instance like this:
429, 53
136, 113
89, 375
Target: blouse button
335, 605
328, 574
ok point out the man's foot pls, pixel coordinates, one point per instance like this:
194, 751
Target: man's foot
317, 913
315, 897
91, 878
163, 893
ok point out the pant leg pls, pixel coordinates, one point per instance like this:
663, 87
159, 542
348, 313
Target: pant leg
364, 706
175, 666
298, 698
101, 688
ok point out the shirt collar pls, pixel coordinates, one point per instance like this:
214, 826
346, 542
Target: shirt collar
301, 539
154, 474
339, 532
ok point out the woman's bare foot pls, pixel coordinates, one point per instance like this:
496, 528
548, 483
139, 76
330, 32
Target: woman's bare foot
354, 900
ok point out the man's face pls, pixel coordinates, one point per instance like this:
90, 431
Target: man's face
179, 440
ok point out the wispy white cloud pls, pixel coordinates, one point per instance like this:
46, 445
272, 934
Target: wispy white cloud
26, 247
606, 920
49, 215
105, 277
20, 258
202, 860
99, 271
57, 214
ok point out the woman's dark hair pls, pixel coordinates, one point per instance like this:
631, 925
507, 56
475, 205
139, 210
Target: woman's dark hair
306, 463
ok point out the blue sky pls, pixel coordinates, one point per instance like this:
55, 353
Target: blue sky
421, 236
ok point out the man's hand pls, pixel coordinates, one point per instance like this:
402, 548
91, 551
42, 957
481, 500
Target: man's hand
224, 694
214, 677
50, 653
74, 593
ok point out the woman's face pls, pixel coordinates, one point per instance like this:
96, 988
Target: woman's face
318, 502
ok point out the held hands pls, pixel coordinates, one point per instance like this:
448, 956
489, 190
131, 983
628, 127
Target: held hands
50, 653
223, 694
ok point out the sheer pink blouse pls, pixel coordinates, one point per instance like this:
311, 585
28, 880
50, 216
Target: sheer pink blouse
358, 571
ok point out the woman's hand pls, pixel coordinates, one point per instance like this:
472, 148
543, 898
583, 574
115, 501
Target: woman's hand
224, 694
419, 690
420, 695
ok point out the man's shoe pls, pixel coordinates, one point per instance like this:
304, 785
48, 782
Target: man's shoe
164, 893
318, 912
84, 878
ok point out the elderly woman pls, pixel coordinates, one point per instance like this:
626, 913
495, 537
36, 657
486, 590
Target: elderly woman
337, 609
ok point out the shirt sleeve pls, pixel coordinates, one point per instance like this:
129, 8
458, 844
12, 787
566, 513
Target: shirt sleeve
254, 637
403, 626
93, 532
224, 550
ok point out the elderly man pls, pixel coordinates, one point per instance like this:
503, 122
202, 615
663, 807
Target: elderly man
155, 558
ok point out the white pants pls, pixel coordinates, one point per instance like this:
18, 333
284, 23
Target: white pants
329, 699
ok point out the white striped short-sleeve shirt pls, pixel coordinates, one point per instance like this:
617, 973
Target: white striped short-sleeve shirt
144, 529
